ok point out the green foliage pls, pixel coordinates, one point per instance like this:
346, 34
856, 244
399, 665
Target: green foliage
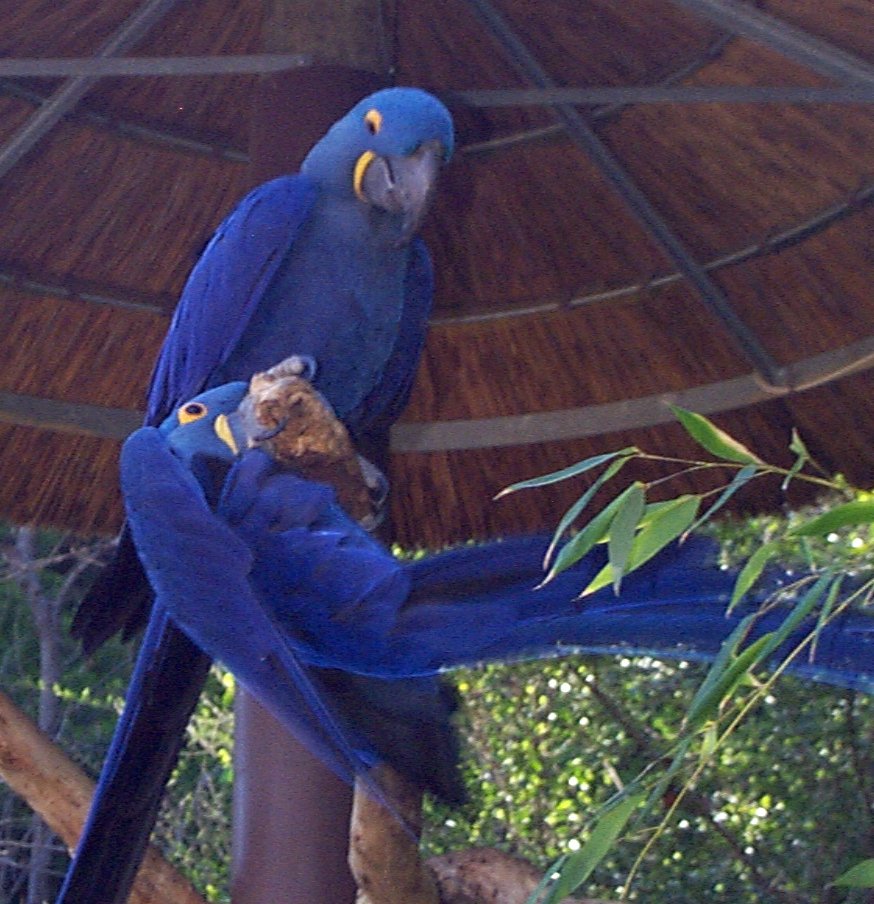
730, 691
194, 825
783, 807
642, 779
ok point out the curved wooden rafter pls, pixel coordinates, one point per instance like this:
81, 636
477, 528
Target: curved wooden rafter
37, 284
630, 414
512, 430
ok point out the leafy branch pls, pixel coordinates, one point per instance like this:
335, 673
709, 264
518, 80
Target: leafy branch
635, 530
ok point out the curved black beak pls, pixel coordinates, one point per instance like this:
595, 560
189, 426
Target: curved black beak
402, 185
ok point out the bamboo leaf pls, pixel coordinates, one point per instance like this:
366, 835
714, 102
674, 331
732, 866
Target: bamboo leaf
734, 668
717, 442
728, 681
859, 876
802, 457
669, 521
751, 572
576, 509
859, 511
739, 480
622, 532
665, 779
595, 531
797, 445
825, 612
705, 692
577, 867
800, 611
565, 473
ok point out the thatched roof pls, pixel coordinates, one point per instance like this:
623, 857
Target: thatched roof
741, 286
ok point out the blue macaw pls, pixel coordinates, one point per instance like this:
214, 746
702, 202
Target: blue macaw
324, 264
264, 572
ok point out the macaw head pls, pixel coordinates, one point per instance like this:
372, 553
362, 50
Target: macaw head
199, 429
386, 153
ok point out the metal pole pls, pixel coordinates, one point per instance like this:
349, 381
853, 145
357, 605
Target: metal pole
72, 91
582, 135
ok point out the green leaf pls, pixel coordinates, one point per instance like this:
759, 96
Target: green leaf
623, 530
825, 612
743, 476
592, 533
857, 512
800, 611
797, 445
669, 521
576, 509
565, 473
729, 680
703, 698
577, 867
665, 779
859, 876
752, 571
802, 457
732, 669
717, 442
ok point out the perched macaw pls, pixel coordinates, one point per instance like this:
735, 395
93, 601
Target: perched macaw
324, 264
311, 613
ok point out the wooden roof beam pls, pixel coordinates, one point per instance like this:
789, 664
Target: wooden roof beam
631, 414
71, 92
513, 430
582, 134
794, 43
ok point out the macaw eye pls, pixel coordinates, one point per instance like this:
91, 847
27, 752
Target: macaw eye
373, 121
193, 411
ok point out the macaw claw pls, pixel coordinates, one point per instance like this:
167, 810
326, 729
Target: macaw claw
378, 488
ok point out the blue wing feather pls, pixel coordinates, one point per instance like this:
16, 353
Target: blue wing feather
385, 403
199, 568
225, 287
340, 600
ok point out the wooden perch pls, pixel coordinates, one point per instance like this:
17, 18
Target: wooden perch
385, 861
485, 875
59, 791
384, 842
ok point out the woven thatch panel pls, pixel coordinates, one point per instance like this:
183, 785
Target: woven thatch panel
47, 28
57, 479
845, 22
113, 211
551, 295
456, 488
77, 351
559, 237
215, 109
813, 297
726, 174
584, 356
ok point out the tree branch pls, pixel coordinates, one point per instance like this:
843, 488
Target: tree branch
41, 773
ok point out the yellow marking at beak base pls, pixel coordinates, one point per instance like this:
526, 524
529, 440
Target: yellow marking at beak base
223, 432
361, 165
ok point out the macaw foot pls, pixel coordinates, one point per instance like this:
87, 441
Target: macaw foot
377, 488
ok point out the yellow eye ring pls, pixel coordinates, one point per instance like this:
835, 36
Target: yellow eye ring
191, 411
373, 121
